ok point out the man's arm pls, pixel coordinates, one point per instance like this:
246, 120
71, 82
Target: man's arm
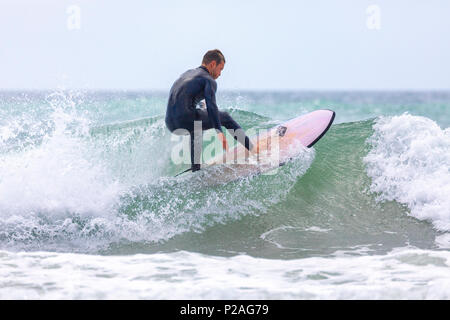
213, 111
211, 106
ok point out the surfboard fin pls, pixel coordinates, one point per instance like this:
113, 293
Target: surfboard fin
182, 172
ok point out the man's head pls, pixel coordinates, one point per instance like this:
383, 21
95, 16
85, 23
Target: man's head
214, 61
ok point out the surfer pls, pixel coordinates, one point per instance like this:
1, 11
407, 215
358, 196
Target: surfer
183, 111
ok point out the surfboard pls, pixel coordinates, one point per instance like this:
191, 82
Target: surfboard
274, 146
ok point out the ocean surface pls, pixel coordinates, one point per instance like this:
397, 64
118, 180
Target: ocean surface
90, 208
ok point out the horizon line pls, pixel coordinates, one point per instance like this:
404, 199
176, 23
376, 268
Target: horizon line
231, 90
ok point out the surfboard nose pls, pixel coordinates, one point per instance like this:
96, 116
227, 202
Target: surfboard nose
322, 121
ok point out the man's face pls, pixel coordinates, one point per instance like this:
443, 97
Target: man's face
216, 69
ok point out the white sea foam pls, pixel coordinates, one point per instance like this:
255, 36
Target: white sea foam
410, 163
54, 177
404, 273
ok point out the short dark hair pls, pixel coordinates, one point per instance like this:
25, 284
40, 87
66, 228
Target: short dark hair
213, 55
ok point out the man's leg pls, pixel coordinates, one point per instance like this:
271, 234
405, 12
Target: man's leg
196, 146
228, 122
238, 133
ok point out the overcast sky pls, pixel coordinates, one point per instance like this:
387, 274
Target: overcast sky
281, 45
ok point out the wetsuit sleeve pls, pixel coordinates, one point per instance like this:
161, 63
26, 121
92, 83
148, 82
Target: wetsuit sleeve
211, 106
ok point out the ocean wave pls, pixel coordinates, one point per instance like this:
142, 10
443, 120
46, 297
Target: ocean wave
82, 186
409, 162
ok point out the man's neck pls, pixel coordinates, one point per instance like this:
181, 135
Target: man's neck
205, 68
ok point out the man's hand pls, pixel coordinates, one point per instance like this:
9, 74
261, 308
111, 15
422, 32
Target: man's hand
222, 139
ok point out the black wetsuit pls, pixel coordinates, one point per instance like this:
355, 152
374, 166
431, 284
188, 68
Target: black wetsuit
193, 86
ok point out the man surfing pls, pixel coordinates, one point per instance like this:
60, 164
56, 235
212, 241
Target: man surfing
182, 112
